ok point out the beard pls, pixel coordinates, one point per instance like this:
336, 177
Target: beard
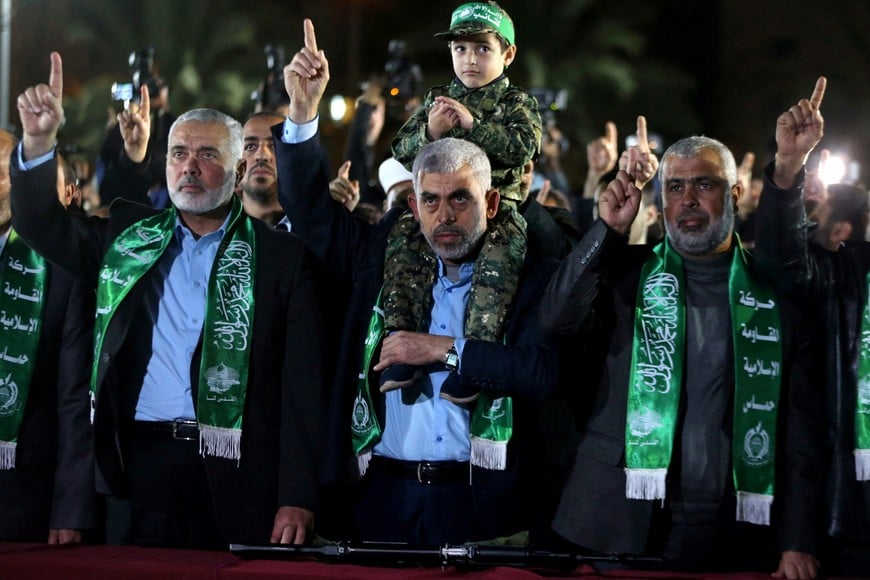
707, 238
462, 248
259, 188
262, 194
202, 202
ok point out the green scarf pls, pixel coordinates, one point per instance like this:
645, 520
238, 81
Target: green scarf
23, 277
862, 406
657, 365
229, 318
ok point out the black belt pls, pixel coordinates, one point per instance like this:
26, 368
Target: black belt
183, 430
421, 471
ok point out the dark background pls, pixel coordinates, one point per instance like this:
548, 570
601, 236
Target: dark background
722, 68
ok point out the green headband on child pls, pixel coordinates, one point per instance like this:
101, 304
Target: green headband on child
477, 18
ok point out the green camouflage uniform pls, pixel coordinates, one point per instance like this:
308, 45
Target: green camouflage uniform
507, 126
410, 267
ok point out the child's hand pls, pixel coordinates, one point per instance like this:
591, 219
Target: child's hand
463, 115
442, 118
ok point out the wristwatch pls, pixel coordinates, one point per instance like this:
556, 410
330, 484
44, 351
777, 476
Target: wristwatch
451, 358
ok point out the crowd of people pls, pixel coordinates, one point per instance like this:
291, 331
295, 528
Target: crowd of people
669, 368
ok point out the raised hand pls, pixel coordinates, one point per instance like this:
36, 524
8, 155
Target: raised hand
135, 126
618, 204
744, 171
601, 157
544, 192
344, 190
645, 163
798, 131
306, 77
41, 112
601, 154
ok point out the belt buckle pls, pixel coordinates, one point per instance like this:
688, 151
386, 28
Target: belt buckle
176, 425
420, 474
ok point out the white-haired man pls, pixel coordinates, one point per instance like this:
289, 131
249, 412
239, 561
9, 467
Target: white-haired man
206, 384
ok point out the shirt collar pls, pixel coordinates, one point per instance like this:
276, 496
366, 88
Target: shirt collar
182, 231
466, 271
499, 80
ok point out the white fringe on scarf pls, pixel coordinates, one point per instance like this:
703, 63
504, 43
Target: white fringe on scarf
362, 462
754, 508
220, 442
488, 454
645, 483
862, 464
7, 454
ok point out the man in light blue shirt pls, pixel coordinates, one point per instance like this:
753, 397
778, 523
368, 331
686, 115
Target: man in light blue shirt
446, 459
207, 393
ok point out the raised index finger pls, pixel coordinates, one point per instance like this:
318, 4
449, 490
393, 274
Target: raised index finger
144, 103
310, 39
344, 170
55, 77
819, 92
747, 162
642, 143
610, 133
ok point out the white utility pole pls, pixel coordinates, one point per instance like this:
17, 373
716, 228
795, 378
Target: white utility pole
5, 59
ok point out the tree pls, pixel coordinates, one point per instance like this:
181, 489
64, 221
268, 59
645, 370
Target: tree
203, 50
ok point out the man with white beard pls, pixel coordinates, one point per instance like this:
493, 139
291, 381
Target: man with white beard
207, 340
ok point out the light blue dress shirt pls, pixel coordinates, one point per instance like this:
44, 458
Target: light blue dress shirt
175, 304
36, 162
176, 301
420, 425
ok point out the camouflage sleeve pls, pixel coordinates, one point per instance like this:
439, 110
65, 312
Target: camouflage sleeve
516, 138
412, 136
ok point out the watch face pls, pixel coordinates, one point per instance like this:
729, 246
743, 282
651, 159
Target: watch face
451, 359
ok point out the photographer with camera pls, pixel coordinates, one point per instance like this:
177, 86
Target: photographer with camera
116, 175
386, 98
403, 82
362, 140
270, 96
554, 144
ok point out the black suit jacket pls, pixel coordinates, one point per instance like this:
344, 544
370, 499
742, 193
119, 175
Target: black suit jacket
592, 298
283, 417
353, 253
52, 485
836, 285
